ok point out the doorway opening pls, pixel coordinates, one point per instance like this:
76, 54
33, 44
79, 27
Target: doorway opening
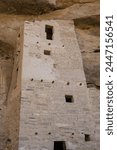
59, 145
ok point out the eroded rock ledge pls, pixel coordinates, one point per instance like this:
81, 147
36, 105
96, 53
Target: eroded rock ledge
26, 7
37, 7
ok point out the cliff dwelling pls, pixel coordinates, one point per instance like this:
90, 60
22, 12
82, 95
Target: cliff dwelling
49, 75
51, 110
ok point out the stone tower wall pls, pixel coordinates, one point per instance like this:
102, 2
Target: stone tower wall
45, 116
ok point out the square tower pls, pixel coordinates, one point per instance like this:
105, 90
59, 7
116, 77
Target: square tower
55, 112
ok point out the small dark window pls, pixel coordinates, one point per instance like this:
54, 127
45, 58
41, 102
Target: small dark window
49, 32
47, 52
69, 98
59, 145
87, 137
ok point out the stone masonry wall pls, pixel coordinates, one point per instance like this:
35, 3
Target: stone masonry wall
45, 116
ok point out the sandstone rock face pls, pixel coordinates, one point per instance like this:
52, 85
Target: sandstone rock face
66, 3
6, 66
26, 6
85, 14
87, 29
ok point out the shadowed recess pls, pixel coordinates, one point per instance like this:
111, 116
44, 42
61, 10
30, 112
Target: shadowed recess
87, 22
31, 7
6, 66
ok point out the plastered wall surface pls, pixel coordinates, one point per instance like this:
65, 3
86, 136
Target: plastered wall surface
45, 116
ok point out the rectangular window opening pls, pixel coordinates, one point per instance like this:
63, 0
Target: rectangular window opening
49, 32
69, 98
59, 145
47, 52
87, 137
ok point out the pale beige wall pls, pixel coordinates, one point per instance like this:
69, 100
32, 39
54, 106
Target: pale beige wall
43, 106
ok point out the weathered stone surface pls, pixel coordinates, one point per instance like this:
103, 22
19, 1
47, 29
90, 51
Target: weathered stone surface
26, 6
75, 11
88, 34
37, 7
6, 66
85, 14
48, 110
66, 3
